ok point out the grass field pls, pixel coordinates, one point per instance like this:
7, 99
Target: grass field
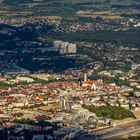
105, 17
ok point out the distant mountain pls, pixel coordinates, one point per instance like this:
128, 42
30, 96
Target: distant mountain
104, 1
15, 1
75, 1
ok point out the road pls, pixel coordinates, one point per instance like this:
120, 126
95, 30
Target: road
118, 130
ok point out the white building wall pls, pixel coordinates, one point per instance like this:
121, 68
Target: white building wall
72, 48
57, 43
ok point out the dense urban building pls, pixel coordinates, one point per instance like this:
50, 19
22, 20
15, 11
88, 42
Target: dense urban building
69, 70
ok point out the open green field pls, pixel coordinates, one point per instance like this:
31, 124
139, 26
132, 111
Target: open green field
105, 17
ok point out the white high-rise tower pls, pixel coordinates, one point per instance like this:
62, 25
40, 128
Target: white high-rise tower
85, 77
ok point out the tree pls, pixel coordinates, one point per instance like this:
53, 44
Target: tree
113, 112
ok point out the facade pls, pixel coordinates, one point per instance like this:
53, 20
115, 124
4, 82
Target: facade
65, 104
57, 43
71, 48
63, 47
